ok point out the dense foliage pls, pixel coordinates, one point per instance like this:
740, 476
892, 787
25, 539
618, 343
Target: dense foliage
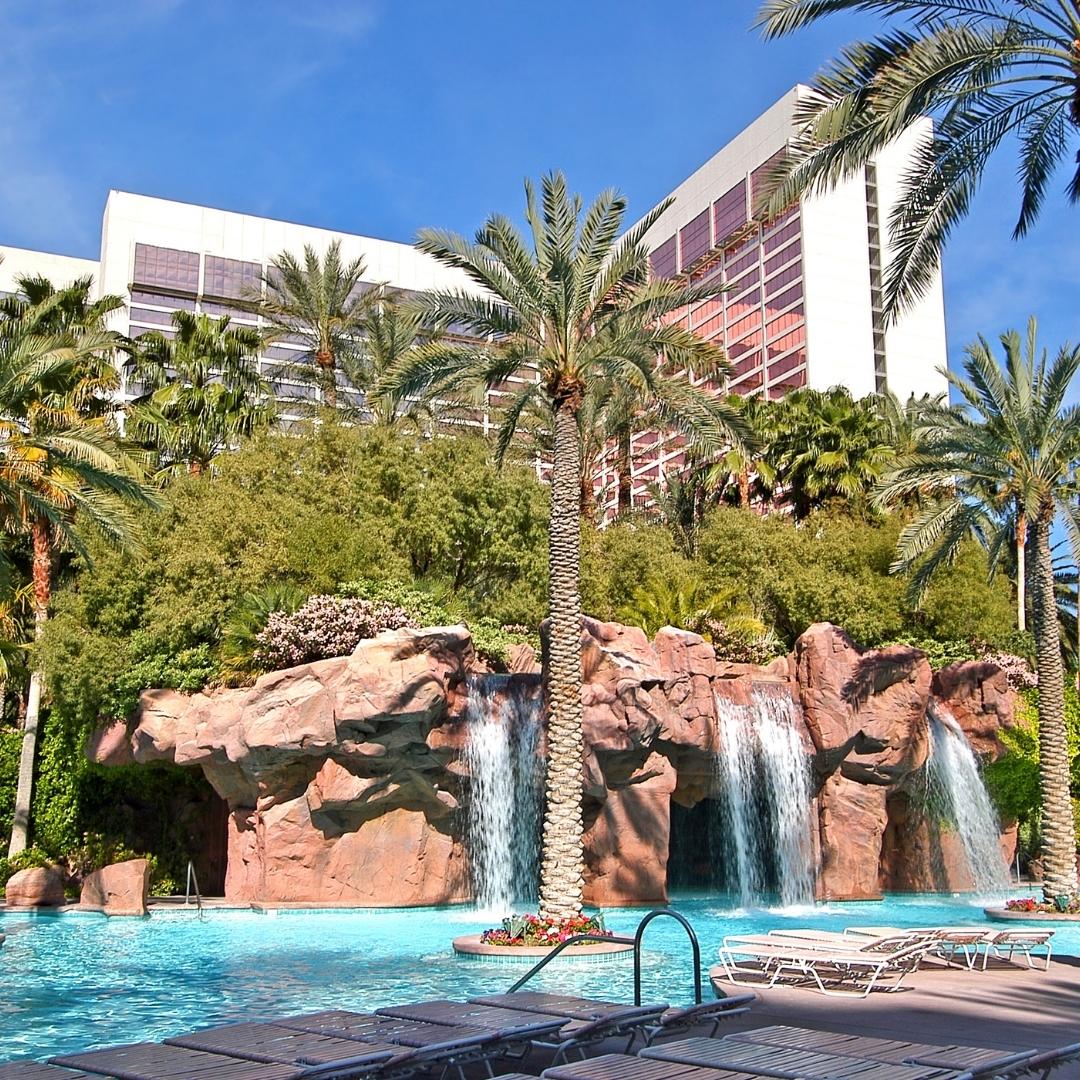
1013, 781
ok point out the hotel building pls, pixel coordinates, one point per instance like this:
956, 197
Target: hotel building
801, 306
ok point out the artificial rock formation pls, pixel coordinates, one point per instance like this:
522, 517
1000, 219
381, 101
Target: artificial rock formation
337, 773
117, 889
38, 886
345, 778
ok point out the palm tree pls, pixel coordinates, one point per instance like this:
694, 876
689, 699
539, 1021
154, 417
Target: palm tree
739, 464
319, 303
827, 445
203, 391
680, 500
388, 334
62, 466
568, 311
1015, 456
984, 70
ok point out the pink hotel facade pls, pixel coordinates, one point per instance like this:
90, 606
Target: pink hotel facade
801, 306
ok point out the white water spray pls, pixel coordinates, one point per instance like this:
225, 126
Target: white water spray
956, 779
503, 824
764, 778
787, 779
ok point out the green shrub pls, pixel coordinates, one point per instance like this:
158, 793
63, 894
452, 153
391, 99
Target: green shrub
24, 860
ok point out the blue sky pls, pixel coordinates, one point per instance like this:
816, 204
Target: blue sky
379, 117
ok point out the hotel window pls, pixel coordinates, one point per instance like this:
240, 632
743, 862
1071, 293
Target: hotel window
695, 239
760, 175
166, 267
231, 278
148, 315
729, 212
663, 259
141, 296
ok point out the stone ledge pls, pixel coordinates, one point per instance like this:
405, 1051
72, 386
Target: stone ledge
1004, 915
470, 945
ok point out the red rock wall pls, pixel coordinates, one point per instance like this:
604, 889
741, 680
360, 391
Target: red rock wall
345, 778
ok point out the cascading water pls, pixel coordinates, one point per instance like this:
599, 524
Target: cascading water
957, 783
787, 779
504, 808
736, 766
764, 779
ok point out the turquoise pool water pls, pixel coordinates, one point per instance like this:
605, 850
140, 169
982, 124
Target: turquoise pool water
74, 981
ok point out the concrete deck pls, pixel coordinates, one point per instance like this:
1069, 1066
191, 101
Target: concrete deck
1008, 1007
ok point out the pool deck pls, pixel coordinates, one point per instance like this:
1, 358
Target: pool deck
1008, 1007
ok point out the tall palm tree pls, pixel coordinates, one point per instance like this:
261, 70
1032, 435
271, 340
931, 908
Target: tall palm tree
388, 334
320, 303
203, 391
573, 306
63, 468
1013, 454
985, 70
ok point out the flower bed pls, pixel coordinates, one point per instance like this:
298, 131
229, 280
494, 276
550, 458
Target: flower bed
532, 930
1063, 905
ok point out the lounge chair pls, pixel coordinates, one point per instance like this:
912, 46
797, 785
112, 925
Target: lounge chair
625, 1067
565, 1037
155, 1061
679, 1021
833, 940
1004, 943
831, 970
34, 1070
971, 941
785, 1064
673, 1021
892, 1051
577, 1008
1039, 1066
451, 1045
274, 1044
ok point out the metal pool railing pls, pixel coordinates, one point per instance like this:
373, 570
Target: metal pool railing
635, 941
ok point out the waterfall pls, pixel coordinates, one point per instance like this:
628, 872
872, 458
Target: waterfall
787, 779
504, 807
956, 780
736, 766
763, 776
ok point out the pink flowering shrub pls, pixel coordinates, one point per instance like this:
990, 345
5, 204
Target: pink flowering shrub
324, 626
1017, 669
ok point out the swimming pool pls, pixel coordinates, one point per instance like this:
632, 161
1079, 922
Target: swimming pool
78, 980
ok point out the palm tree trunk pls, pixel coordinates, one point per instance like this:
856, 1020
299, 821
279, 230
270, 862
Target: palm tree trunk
563, 860
623, 468
744, 488
1058, 831
24, 790
1021, 572
325, 360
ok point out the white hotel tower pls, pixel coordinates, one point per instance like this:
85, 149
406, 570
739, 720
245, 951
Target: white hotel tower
801, 307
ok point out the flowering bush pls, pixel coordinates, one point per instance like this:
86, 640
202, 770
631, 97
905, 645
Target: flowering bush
525, 930
1028, 903
1017, 669
324, 626
1063, 905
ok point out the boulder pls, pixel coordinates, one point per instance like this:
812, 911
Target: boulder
118, 889
852, 820
878, 694
978, 695
38, 886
